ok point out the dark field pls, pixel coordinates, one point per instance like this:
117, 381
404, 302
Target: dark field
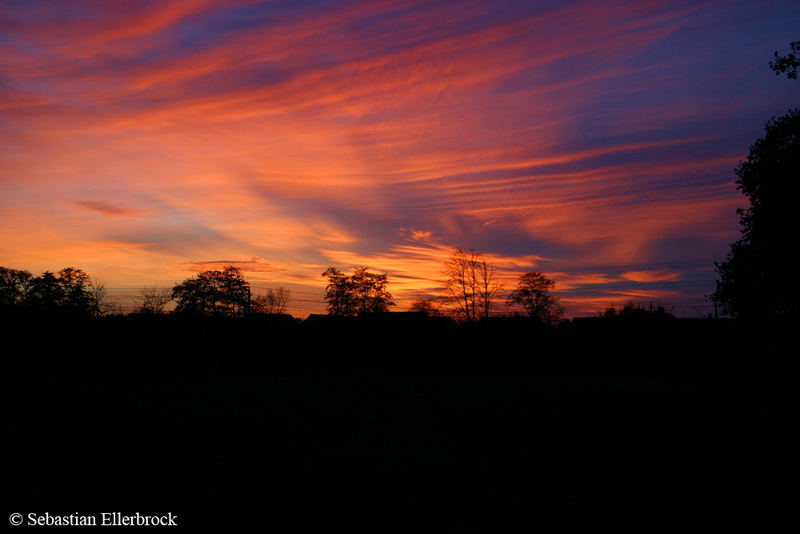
415, 426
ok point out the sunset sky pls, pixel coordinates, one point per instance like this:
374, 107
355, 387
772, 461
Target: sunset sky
593, 141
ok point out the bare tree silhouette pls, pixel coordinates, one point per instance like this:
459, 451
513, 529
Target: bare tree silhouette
273, 301
469, 284
153, 300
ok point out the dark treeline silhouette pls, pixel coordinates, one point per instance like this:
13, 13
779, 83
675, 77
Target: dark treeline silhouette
600, 341
209, 415
216, 410
632, 311
217, 317
71, 291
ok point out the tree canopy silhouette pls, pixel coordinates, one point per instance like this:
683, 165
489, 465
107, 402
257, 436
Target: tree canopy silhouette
533, 293
788, 63
14, 287
363, 291
224, 292
760, 275
69, 290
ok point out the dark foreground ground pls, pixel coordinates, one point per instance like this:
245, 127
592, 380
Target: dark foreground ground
415, 427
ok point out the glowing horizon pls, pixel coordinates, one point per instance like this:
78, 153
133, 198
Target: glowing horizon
591, 141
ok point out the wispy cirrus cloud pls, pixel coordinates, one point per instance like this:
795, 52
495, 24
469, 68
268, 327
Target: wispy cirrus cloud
104, 208
659, 275
252, 265
594, 141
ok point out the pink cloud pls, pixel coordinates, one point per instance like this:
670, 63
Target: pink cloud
367, 134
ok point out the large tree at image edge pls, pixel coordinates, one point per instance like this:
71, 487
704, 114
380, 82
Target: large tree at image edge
759, 278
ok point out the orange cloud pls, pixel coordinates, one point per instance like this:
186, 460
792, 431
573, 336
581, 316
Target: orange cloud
109, 210
660, 275
582, 140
